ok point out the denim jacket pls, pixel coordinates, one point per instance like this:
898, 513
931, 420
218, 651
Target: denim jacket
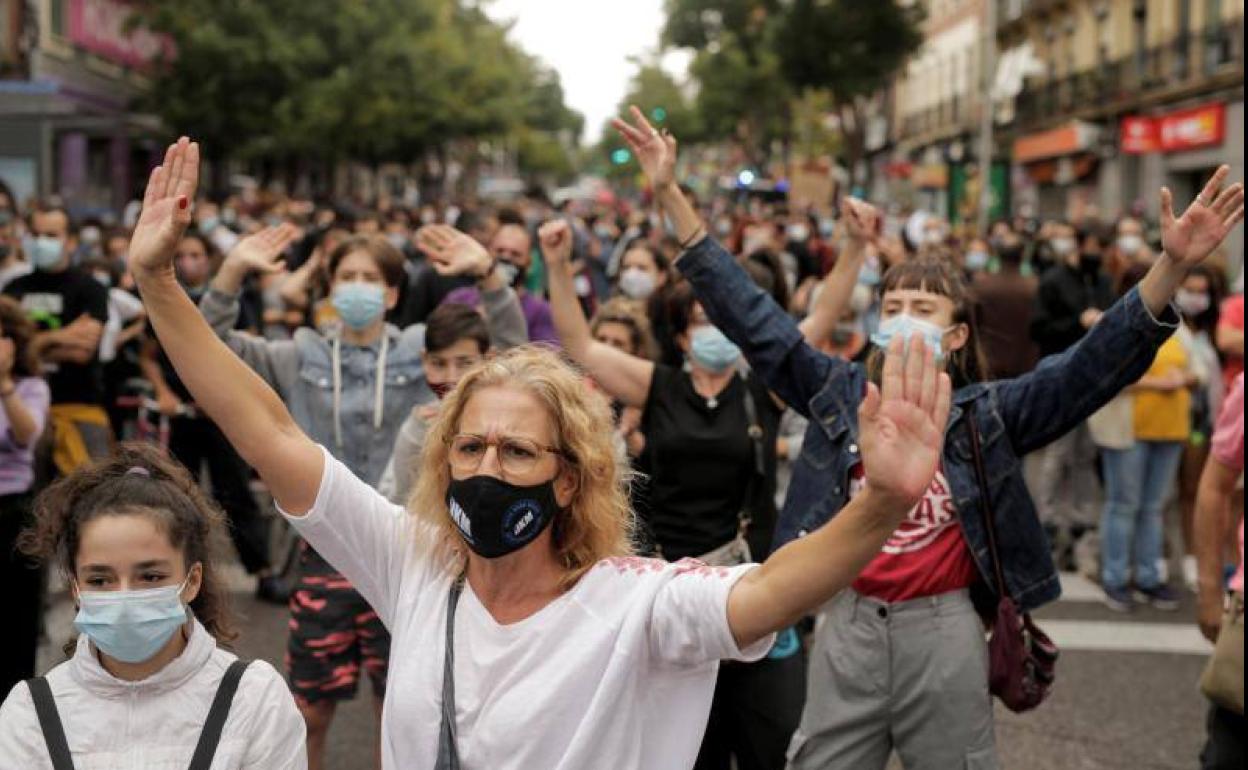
1014, 416
359, 423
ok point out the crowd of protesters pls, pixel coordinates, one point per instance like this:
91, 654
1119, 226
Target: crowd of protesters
898, 418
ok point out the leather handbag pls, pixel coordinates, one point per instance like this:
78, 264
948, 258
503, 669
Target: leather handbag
1022, 658
1223, 679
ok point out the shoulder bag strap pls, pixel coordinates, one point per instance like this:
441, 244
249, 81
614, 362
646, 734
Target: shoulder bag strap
448, 753
754, 429
210, 736
985, 505
50, 723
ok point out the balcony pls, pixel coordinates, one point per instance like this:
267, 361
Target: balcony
947, 118
1011, 13
1214, 54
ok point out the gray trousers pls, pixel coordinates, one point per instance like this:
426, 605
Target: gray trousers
1064, 484
910, 676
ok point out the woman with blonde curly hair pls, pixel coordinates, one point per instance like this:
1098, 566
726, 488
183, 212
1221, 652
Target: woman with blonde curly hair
524, 635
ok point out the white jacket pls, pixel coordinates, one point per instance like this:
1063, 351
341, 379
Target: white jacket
154, 724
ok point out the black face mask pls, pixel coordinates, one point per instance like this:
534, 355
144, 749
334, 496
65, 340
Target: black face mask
1090, 263
497, 518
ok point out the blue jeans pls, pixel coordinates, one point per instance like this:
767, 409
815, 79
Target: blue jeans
1138, 481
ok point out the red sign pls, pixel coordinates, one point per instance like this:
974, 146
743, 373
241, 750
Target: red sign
1139, 135
1192, 129
99, 26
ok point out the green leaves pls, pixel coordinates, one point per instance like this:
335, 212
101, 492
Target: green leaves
384, 80
757, 59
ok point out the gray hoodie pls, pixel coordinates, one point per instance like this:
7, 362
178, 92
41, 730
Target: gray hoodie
352, 399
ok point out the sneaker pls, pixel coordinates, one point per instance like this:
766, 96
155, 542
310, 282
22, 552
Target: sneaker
1118, 599
1161, 597
272, 589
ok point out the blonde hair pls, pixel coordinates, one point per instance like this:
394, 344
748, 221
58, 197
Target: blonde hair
599, 521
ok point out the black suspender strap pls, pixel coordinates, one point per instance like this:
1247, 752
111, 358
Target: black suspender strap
50, 723
210, 736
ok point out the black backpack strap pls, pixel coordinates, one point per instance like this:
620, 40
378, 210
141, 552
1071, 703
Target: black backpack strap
50, 723
210, 736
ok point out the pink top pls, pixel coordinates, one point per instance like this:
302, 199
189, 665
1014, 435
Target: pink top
1228, 447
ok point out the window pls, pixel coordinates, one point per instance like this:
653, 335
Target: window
58, 23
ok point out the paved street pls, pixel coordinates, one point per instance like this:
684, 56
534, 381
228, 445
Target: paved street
1126, 698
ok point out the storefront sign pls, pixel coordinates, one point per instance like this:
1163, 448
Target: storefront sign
1075, 136
100, 26
1191, 129
1139, 135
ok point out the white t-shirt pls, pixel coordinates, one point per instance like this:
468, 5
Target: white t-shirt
617, 672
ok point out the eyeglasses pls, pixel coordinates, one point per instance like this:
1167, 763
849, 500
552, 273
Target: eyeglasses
516, 456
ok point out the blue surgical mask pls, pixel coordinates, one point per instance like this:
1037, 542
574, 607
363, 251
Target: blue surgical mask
46, 252
976, 260
208, 224
131, 626
711, 350
907, 326
358, 303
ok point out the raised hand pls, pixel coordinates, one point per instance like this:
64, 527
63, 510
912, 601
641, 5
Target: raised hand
452, 252
861, 219
655, 151
902, 423
166, 210
555, 238
1189, 239
261, 252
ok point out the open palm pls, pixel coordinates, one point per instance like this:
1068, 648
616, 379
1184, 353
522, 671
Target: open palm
1192, 237
656, 152
166, 209
262, 251
452, 252
902, 422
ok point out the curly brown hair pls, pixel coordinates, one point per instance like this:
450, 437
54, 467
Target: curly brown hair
15, 325
161, 490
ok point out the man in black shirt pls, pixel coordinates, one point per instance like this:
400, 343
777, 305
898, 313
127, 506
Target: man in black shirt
1072, 295
70, 308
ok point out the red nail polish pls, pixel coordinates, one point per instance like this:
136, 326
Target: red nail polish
182, 202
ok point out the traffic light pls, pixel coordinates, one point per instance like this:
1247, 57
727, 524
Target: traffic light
621, 156
658, 114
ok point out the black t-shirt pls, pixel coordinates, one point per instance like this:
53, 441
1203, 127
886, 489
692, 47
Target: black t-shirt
701, 459
53, 301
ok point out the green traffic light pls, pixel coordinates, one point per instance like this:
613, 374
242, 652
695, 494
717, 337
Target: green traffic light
621, 156
658, 114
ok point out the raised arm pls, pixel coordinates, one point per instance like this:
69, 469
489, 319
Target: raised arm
1190, 239
901, 433
765, 332
625, 377
261, 252
860, 219
454, 253
247, 410
1118, 349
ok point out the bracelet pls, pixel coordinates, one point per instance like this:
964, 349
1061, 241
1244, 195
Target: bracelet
700, 232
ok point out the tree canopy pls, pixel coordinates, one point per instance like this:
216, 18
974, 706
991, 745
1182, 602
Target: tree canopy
386, 80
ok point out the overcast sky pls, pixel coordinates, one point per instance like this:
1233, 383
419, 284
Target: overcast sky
588, 42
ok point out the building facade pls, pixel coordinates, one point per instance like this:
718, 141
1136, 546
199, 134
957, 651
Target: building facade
931, 162
1123, 96
70, 75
